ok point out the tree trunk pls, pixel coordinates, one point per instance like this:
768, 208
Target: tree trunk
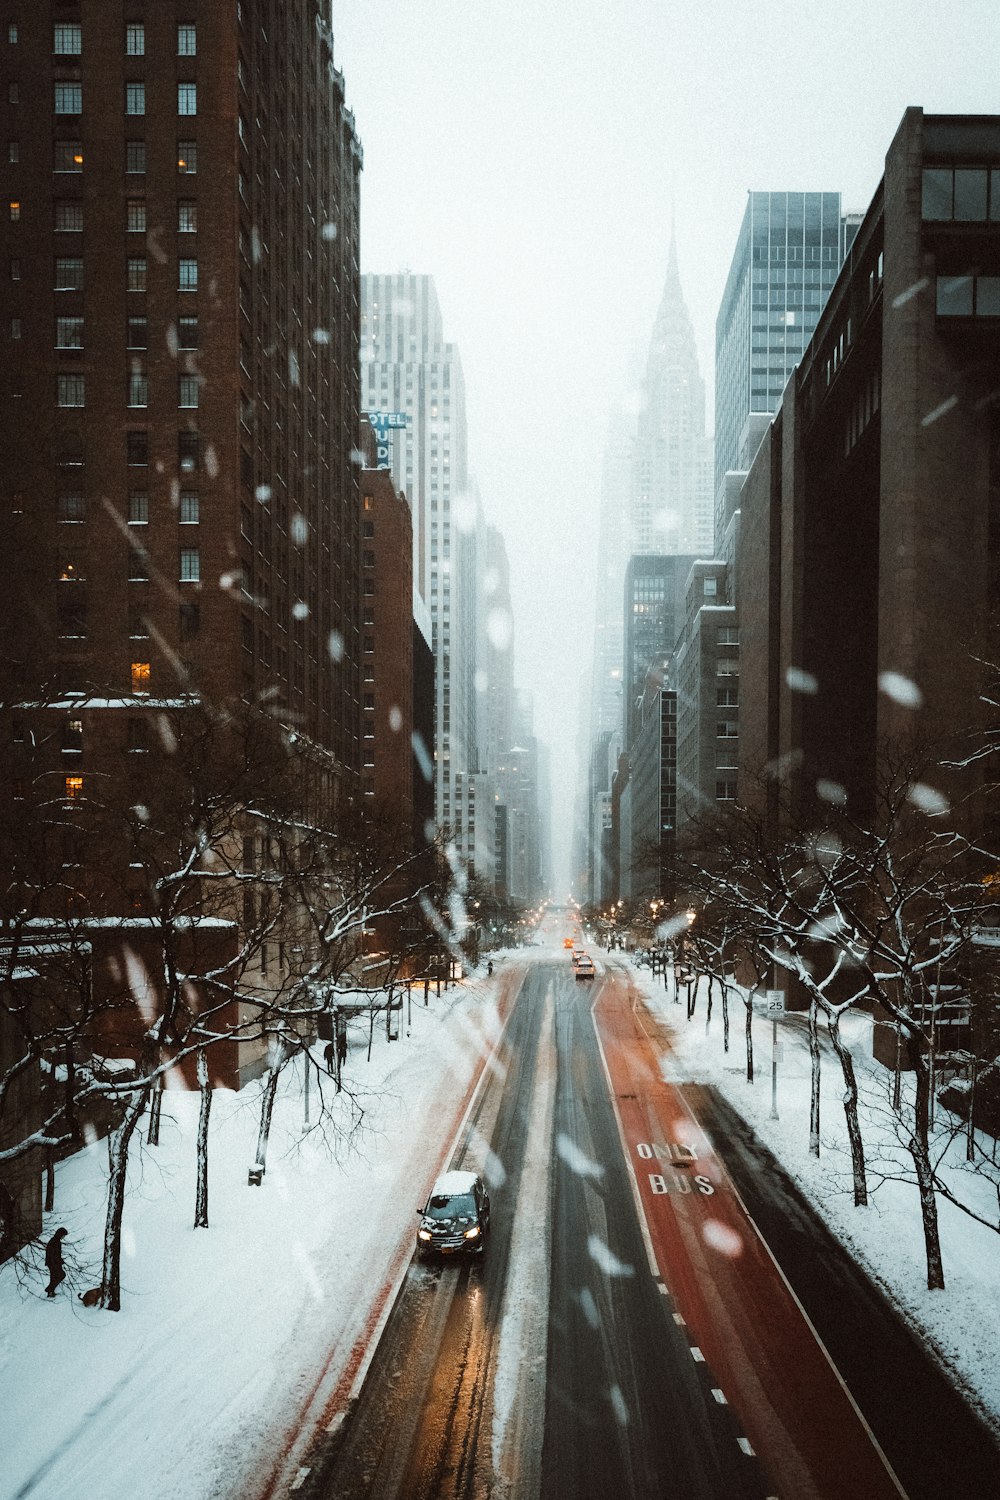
749, 1036
155, 1111
266, 1110
50, 1180
118, 1145
708, 1007
814, 1094
725, 1016
850, 1111
201, 1179
919, 1148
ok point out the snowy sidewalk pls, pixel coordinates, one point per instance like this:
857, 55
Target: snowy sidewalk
227, 1335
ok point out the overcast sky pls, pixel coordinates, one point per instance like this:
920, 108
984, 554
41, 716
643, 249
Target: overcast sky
528, 155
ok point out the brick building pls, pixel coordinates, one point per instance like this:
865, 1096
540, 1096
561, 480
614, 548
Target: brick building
179, 388
870, 518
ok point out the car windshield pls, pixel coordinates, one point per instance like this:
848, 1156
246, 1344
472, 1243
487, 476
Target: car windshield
451, 1206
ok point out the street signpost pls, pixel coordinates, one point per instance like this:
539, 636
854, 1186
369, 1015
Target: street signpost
775, 1008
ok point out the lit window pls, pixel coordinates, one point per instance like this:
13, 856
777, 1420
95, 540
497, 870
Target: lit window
187, 390
136, 216
137, 273
135, 156
69, 274
68, 156
187, 157
138, 389
187, 40
14, 209
190, 508
67, 39
187, 216
68, 217
140, 677
187, 98
135, 98
138, 508
69, 98
135, 39
187, 275
190, 565
74, 787
69, 333
70, 390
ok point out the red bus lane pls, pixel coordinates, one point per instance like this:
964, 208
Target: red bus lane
741, 1317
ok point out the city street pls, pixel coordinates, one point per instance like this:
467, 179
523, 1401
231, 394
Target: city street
590, 1352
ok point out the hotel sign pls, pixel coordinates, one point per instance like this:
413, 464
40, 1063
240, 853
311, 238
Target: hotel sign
383, 423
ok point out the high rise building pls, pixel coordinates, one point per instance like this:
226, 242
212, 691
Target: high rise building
653, 614
408, 368
870, 518
179, 381
672, 509
788, 253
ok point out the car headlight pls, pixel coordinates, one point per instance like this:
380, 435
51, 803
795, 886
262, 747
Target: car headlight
473, 1233
423, 1234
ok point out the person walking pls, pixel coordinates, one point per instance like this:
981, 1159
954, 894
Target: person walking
54, 1261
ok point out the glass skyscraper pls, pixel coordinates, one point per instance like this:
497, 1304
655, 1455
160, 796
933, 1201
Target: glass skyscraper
788, 255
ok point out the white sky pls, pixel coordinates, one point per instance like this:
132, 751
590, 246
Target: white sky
528, 155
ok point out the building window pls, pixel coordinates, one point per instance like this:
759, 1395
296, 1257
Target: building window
69, 98
187, 39
187, 451
187, 157
72, 737
15, 269
728, 635
187, 333
727, 729
136, 281
135, 156
136, 335
138, 508
187, 98
68, 217
69, 274
135, 98
71, 508
187, 394
13, 151
15, 328
187, 275
136, 216
140, 678
954, 296
70, 451
137, 449
138, 626
710, 588
138, 389
74, 787
70, 390
190, 565
67, 156
138, 736
12, 33
12, 93
69, 333
135, 39
138, 563
187, 216
190, 512
725, 791
67, 39
190, 619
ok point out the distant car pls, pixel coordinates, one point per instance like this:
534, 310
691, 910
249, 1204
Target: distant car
567, 942
585, 967
456, 1217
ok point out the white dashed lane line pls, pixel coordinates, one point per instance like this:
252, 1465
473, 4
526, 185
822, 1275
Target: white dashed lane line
697, 1355
745, 1445
719, 1396
300, 1479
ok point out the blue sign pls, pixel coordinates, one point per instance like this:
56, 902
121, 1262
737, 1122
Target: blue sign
383, 422
383, 419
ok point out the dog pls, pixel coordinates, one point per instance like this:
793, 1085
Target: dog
91, 1298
